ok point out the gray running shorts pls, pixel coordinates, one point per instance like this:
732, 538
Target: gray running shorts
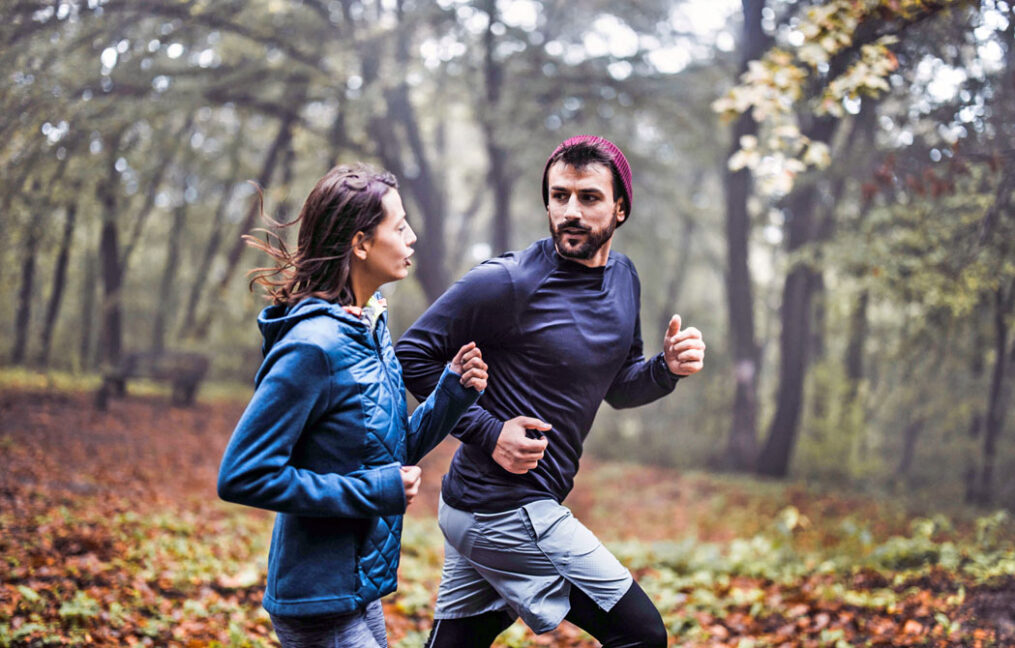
523, 561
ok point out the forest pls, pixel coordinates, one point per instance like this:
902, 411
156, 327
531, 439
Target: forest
825, 188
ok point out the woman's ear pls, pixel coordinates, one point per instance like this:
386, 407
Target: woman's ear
360, 246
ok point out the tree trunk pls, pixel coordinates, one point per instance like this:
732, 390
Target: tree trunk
111, 331
211, 248
149, 204
858, 326
796, 319
742, 445
909, 437
38, 217
501, 183
111, 343
111, 340
278, 146
821, 396
971, 476
678, 275
26, 291
59, 283
423, 182
994, 423
500, 178
796, 330
854, 349
976, 370
425, 188
14, 188
796, 314
826, 229
207, 257
420, 180
166, 303
86, 350
283, 210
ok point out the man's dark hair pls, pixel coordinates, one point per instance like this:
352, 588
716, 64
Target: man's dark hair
583, 150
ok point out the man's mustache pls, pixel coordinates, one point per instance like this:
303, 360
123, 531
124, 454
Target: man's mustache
572, 227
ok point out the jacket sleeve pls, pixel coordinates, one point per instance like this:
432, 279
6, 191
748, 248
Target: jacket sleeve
640, 380
435, 417
477, 308
292, 393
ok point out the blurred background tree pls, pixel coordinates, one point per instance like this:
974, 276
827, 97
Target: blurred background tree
825, 189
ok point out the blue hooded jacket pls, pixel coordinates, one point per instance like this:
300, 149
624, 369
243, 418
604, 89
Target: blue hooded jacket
321, 443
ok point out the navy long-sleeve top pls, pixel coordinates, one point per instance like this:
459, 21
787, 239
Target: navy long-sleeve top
559, 338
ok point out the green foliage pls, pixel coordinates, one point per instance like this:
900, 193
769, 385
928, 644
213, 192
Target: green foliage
934, 251
812, 74
31, 600
80, 609
412, 639
22, 378
837, 442
188, 568
993, 530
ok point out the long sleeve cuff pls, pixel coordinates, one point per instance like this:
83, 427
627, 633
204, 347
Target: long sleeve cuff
460, 395
479, 427
661, 373
484, 428
489, 433
391, 489
438, 414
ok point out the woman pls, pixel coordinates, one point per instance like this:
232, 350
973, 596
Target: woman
325, 441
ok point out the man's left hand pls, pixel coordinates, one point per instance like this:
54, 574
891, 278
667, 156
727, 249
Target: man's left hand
684, 350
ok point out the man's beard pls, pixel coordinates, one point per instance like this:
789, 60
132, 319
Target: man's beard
594, 239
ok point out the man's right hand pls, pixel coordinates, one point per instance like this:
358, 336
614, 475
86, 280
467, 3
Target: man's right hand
515, 452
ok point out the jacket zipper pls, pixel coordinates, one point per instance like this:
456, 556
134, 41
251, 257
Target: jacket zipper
392, 385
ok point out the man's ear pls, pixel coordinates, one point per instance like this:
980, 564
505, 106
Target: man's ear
621, 210
360, 246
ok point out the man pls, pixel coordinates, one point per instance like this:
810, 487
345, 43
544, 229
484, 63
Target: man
559, 326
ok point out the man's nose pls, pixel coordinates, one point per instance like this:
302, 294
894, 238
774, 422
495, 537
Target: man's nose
572, 210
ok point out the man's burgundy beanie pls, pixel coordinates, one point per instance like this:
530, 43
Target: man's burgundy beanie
617, 161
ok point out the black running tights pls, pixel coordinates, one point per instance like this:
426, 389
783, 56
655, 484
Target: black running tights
633, 622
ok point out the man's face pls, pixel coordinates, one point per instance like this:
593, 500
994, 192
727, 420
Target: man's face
582, 210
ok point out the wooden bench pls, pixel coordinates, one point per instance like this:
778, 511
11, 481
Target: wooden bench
182, 370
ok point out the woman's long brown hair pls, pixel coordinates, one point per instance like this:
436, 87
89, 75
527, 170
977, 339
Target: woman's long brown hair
345, 201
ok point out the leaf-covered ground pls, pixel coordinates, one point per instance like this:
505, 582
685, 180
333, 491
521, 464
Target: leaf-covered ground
111, 535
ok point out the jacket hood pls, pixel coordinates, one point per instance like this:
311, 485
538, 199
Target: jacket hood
275, 321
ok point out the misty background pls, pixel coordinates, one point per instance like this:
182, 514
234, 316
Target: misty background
824, 189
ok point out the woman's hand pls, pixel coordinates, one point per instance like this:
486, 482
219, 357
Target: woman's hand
468, 363
412, 476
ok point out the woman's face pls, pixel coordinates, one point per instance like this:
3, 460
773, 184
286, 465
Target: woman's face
389, 249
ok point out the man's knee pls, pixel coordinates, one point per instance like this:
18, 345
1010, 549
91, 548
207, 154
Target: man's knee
653, 634
642, 623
